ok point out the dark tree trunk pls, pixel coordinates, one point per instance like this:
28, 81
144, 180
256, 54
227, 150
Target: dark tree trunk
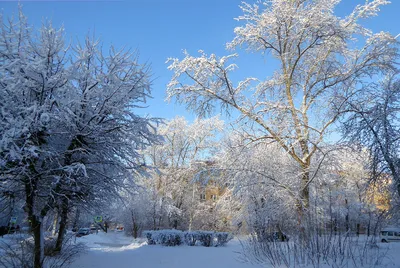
35, 222
347, 217
175, 224
63, 225
38, 250
135, 227
75, 143
369, 224
76, 220
135, 230
154, 221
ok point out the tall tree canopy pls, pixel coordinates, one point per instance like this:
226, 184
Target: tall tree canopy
322, 62
69, 132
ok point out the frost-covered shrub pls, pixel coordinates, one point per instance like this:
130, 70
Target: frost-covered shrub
171, 238
216, 239
222, 238
17, 252
148, 235
206, 238
164, 237
190, 238
315, 251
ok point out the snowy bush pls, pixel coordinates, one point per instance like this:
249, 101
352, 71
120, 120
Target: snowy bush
17, 252
315, 251
206, 238
171, 239
70, 251
164, 237
222, 238
190, 238
148, 235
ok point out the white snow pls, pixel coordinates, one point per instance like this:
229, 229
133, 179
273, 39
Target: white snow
393, 255
117, 250
104, 251
111, 241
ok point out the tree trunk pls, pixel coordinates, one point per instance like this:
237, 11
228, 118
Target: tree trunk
38, 252
190, 222
37, 230
135, 227
335, 229
55, 222
347, 217
369, 224
76, 220
303, 203
154, 221
305, 193
175, 224
135, 230
35, 222
63, 225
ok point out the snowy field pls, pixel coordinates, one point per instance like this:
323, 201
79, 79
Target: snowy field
119, 251
116, 250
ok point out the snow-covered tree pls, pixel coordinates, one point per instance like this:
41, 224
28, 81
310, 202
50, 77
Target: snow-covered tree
137, 214
322, 60
104, 133
261, 179
32, 74
177, 162
69, 132
339, 200
375, 124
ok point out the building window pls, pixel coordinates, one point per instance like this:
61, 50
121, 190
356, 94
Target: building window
202, 197
213, 197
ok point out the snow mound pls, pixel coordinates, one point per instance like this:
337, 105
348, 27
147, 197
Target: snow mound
110, 242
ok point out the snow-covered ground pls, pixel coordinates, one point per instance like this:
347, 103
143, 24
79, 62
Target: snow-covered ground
117, 250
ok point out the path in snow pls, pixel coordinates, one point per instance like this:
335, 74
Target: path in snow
104, 252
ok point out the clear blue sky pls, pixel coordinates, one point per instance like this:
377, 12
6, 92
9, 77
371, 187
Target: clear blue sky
163, 28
